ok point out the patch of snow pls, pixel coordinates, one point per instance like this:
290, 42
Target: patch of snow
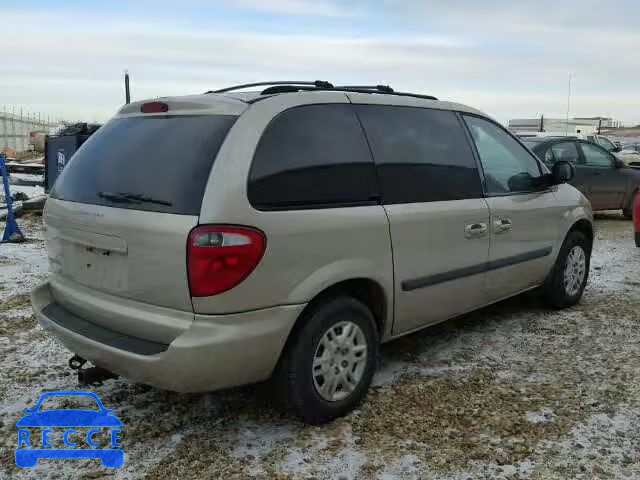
407, 466
22, 266
545, 415
345, 463
254, 442
389, 371
26, 177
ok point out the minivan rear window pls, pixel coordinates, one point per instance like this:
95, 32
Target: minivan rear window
154, 163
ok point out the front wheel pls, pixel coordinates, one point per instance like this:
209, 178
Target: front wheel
568, 278
330, 360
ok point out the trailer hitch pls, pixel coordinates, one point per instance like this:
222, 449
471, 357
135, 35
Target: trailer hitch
76, 362
89, 376
94, 376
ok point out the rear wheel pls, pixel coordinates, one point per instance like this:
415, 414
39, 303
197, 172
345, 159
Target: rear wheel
568, 278
329, 363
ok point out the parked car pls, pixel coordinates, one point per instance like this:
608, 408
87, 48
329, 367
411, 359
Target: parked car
604, 142
207, 241
636, 219
602, 177
630, 155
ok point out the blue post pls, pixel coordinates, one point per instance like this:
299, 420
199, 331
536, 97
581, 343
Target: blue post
12, 232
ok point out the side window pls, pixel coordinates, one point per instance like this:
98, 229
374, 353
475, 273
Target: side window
422, 155
566, 151
508, 167
549, 159
312, 156
595, 156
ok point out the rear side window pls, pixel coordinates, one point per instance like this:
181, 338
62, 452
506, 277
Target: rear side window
155, 163
311, 157
565, 151
422, 155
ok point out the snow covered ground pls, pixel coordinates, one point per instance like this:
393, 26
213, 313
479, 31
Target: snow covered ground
31, 189
512, 391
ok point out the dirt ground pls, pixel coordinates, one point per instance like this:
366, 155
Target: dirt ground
512, 391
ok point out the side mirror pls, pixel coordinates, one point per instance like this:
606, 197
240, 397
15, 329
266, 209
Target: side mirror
562, 172
616, 149
619, 163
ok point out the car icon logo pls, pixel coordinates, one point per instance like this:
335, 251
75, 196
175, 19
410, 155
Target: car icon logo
61, 425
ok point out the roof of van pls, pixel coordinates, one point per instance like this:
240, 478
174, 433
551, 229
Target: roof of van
236, 102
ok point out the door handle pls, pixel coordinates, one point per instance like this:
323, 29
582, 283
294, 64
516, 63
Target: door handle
502, 225
475, 230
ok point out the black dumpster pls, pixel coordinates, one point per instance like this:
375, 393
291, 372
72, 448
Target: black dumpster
59, 148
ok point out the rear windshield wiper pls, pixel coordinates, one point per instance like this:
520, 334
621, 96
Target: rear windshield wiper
123, 197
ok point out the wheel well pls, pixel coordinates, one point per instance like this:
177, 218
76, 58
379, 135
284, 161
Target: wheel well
365, 290
586, 228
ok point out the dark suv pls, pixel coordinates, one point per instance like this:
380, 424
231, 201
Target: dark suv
601, 177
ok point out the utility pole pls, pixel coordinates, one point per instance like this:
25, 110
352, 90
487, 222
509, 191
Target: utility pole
566, 128
541, 129
127, 93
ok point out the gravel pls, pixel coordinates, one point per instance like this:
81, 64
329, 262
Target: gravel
512, 391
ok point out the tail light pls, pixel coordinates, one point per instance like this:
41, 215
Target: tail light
219, 257
154, 107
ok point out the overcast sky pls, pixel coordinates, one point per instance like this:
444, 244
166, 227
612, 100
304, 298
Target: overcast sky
508, 58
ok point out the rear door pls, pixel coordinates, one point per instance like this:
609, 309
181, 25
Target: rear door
432, 194
121, 210
606, 183
524, 212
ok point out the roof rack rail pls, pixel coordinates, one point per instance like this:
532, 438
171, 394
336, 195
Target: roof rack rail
291, 88
296, 86
380, 88
347, 89
316, 84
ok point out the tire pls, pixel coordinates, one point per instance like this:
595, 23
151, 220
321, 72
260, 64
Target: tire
556, 293
300, 388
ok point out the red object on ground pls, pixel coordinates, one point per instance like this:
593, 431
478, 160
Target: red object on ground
636, 218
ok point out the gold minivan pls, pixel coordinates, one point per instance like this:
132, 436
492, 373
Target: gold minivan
207, 241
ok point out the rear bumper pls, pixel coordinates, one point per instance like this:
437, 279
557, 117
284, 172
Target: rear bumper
216, 351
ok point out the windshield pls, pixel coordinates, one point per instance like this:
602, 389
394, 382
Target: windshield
607, 144
155, 163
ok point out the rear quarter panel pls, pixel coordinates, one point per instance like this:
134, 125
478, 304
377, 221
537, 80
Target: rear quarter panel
576, 208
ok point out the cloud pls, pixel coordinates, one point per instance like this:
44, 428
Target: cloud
289, 7
511, 61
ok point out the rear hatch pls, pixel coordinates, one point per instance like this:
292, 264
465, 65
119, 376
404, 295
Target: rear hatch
121, 211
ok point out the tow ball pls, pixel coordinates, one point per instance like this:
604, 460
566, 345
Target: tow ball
89, 376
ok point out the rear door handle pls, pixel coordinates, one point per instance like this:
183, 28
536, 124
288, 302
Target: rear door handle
502, 225
475, 230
